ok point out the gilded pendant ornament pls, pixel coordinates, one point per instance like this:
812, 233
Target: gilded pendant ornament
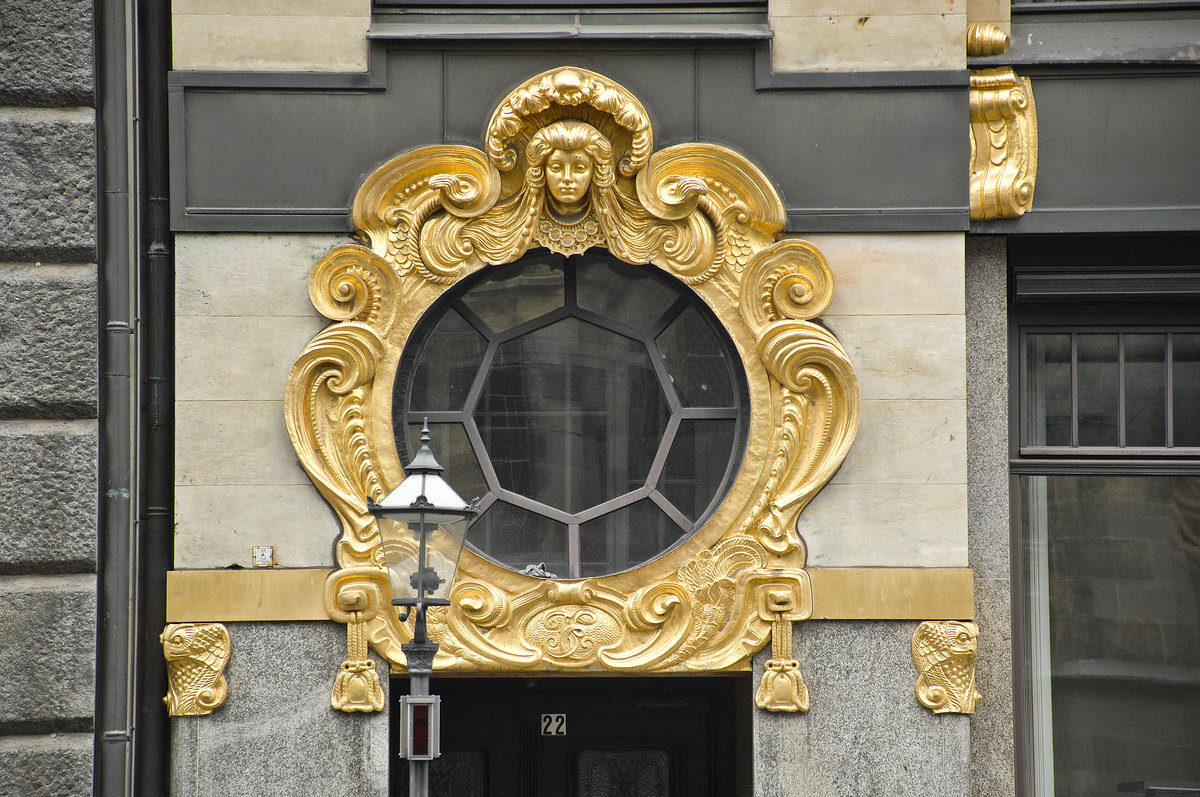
1004, 144
944, 653
196, 655
569, 163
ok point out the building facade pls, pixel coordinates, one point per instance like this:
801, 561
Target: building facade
834, 421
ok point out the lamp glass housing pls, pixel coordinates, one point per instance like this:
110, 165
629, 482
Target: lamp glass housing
423, 516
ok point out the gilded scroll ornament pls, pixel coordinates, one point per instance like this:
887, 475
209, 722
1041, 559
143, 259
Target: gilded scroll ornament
196, 655
944, 653
568, 163
1004, 144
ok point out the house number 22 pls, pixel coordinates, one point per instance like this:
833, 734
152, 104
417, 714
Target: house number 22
554, 725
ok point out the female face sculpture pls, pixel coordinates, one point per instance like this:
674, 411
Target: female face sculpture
568, 175
572, 158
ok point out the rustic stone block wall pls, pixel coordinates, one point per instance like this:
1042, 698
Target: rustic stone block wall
48, 398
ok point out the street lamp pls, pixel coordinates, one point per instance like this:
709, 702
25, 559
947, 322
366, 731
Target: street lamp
426, 511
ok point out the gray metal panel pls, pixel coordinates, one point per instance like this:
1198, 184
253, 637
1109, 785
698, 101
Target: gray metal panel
868, 153
275, 158
1116, 153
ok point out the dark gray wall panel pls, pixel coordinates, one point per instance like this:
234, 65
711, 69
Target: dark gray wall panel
289, 158
841, 152
1116, 153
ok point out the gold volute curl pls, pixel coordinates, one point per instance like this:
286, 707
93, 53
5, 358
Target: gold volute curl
702, 213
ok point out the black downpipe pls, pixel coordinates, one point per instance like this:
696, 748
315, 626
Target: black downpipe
152, 748
115, 258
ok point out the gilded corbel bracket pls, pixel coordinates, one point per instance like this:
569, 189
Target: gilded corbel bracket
782, 687
357, 686
702, 213
944, 653
1004, 144
196, 655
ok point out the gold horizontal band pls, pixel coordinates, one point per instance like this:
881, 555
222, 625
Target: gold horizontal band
220, 596
839, 593
892, 593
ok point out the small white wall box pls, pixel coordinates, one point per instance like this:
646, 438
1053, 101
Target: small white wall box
264, 556
420, 727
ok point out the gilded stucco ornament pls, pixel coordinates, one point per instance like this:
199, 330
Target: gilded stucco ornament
196, 655
944, 653
1004, 144
984, 38
568, 162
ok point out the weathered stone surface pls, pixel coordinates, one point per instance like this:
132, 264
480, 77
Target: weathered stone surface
992, 771
47, 54
47, 185
248, 747
48, 342
48, 656
46, 766
865, 734
48, 491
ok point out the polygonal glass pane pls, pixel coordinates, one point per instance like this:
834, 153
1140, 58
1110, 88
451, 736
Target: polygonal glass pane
448, 366
624, 538
625, 293
696, 362
696, 466
571, 415
518, 293
518, 538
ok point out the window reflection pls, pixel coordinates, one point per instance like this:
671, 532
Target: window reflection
1113, 601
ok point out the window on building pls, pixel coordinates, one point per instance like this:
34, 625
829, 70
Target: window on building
596, 408
1106, 463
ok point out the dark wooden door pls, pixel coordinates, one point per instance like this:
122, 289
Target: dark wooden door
592, 737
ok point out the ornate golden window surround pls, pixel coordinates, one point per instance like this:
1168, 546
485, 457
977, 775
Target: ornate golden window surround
701, 212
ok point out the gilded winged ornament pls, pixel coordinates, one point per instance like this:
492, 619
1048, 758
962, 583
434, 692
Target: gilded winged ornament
568, 163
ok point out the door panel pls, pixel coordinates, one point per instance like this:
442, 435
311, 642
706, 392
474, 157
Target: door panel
583, 737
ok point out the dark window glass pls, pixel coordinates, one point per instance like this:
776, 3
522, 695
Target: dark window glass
692, 473
624, 293
698, 369
518, 293
444, 377
1048, 395
1185, 389
595, 407
1111, 390
1097, 386
517, 538
1145, 390
625, 538
1113, 601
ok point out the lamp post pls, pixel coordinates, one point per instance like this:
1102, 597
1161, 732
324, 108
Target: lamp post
426, 511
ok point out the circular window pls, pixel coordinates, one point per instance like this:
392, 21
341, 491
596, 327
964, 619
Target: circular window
597, 409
